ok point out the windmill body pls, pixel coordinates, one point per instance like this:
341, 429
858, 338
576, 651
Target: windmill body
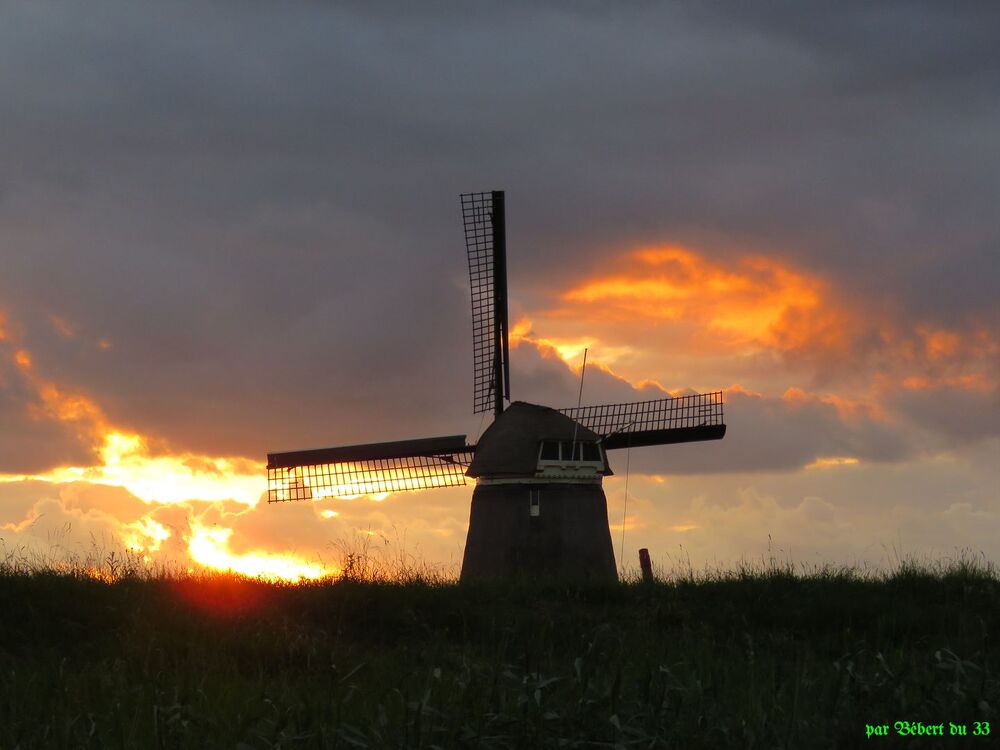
539, 507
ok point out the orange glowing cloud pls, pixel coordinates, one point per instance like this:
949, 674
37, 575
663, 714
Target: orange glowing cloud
661, 309
57, 404
827, 462
755, 301
974, 382
569, 350
126, 462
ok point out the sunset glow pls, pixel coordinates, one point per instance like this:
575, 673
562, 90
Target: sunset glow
211, 256
125, 457
126, 462
144, 535
209, 547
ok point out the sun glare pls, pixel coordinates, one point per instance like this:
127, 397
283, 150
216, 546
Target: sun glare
209, 546
144, 535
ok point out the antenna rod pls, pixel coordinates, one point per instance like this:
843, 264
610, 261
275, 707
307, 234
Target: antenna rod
579, 399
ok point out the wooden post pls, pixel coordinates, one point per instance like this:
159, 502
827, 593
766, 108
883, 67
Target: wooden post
646, 565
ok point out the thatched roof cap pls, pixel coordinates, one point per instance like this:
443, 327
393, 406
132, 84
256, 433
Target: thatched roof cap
509, 447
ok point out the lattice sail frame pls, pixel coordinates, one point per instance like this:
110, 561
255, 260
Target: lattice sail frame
483, 220
674, 413
366, 477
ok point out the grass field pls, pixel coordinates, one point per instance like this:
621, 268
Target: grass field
758, 657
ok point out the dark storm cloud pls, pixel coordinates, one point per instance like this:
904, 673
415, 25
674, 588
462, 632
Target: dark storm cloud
256, 205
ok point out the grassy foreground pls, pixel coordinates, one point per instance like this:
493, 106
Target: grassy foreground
755, 658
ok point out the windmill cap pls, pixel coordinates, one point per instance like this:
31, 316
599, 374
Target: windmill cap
509, 447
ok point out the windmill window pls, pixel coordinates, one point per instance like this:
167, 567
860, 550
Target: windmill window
566, 450
534, 503
550, 451
580, 451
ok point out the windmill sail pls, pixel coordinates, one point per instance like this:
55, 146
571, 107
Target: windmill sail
539, 507
680, 419
367, 469
485, 240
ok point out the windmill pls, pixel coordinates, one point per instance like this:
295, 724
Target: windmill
539, 507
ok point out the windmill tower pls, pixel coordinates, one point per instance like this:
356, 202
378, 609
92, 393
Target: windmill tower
539, 507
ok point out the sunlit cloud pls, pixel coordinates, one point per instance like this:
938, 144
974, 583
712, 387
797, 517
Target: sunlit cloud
975, 382
159, 478
827, 462
144, 535
125, 458
818, 382
126, 462
569, 350
209, 547
647, 309
755, 300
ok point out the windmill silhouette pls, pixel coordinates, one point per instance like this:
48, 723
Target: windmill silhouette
539, 507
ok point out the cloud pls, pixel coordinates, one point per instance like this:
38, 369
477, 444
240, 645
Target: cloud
867, 515
82, 524
271, 242
30, 440
959, 413
214, 253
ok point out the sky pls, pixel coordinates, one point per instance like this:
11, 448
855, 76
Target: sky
231, 228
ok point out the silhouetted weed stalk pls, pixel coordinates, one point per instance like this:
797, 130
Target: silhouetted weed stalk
114, 654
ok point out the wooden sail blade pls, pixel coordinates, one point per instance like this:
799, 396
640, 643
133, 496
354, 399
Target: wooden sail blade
642, 438
485, 242
678, 419
368, 469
